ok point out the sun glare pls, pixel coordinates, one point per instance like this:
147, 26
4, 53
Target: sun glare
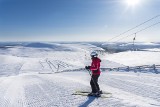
132, 2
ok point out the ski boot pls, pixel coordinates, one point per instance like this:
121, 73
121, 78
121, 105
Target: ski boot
91, 94
100, 92
94, 94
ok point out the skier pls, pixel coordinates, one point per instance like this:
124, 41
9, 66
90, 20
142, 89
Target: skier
95, 69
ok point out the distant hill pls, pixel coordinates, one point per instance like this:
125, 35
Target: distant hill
120, 47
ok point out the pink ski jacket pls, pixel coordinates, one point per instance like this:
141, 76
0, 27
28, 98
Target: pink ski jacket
95, 66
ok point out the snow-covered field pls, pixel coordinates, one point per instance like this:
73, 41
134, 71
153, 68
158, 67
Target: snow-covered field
135, 58
46, 75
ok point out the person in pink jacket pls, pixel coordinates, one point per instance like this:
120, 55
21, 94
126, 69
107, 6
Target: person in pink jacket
95, 69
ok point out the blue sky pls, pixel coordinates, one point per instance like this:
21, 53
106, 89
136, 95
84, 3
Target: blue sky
76, 20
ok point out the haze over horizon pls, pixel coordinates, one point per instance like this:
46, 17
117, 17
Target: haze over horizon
78, 20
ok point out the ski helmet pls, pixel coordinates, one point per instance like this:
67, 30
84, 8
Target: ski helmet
94, 54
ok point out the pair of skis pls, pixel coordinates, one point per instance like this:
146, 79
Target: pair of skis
86, 93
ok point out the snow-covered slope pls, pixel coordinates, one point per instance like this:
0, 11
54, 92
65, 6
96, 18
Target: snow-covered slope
25, 82
55, 90
136, 58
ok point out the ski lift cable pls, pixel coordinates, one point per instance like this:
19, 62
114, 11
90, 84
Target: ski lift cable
135, 27
139, 31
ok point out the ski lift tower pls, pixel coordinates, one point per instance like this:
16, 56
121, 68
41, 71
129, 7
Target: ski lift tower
134, 42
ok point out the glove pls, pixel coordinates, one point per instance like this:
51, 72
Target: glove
87, 67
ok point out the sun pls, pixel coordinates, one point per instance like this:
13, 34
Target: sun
132, 2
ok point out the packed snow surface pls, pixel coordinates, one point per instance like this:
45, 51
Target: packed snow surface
31, 76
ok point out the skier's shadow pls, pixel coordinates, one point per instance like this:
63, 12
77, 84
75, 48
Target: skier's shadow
90, 100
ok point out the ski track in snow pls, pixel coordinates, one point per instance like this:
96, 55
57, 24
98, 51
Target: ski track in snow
137, 86
54, 90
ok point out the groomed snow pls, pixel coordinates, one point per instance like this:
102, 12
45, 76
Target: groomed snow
25, 82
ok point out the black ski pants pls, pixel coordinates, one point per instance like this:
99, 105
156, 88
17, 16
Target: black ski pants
94, 83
